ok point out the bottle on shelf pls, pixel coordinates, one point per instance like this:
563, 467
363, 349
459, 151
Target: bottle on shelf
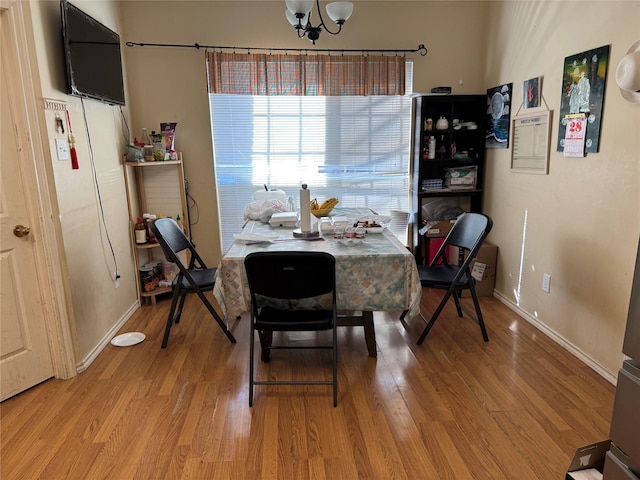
179, 222
442, 150
141, 231
147, 218
148, 146
428, 124
432, 147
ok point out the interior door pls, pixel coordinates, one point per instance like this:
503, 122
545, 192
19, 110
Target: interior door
25, 355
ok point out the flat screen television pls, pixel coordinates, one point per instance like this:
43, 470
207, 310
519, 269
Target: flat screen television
92, 55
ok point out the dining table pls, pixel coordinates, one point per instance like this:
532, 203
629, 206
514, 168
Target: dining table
375, 273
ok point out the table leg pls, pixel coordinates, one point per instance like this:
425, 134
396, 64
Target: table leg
364, 319
369, 333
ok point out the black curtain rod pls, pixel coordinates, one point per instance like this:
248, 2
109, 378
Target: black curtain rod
421, 48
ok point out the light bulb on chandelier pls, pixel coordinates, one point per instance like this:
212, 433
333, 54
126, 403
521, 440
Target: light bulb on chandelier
298, 14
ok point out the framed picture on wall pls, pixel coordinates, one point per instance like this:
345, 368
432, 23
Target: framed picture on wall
498, 116
584, 78
531, 89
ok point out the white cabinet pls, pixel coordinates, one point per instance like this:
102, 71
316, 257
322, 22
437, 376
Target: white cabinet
157, 188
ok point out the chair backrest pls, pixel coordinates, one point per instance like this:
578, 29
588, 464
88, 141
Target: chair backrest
290, 275
173, 241
468, 233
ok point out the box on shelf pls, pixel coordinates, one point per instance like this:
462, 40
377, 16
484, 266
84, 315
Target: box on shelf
461, 177
483, 268
440, 229
440, 214
588, 461
432, 184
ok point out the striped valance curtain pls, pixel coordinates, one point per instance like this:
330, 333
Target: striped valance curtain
305, 75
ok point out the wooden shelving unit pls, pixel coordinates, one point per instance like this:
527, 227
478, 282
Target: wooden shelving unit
157, 188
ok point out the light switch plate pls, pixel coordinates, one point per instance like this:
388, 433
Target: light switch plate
62, 148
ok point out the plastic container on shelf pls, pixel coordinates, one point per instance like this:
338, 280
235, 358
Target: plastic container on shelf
148, 146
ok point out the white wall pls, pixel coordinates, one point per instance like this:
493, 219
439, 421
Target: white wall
582, 219
98, 306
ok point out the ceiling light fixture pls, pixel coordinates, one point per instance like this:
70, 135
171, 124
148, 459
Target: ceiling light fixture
299, 15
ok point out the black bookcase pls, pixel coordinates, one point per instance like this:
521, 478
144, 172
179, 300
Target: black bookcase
458, 146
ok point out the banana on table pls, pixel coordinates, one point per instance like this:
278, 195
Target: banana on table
328, 203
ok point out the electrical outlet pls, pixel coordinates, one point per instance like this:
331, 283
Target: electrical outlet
546, 282
116, 279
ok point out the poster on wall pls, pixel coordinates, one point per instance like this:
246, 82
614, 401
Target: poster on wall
498, 116
584, 78
531, 89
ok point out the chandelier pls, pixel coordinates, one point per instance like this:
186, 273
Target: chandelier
299, 15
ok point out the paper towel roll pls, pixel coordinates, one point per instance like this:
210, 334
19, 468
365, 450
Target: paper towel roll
305, 209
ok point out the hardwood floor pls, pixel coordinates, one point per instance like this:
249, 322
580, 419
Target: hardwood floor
455, 407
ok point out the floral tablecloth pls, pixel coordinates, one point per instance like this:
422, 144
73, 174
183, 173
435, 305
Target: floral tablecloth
375, 274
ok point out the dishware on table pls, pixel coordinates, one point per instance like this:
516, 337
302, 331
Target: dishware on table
373, 223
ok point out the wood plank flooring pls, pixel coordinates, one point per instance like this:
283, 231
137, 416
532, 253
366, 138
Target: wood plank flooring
455, 407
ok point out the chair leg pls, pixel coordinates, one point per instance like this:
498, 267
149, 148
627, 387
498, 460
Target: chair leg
178, 315
476, 303
435, 316
216, 317
251, 361
456, 300
176, 293
335, 363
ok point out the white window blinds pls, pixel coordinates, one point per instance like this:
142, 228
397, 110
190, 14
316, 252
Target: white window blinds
354, 148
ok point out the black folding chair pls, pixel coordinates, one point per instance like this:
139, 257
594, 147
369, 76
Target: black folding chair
291, 291
194, 278
468, 234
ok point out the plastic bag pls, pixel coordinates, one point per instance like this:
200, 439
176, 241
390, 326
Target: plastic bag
263, 210
441, 209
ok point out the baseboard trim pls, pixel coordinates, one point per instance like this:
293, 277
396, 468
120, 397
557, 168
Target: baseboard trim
83, 364
584, 357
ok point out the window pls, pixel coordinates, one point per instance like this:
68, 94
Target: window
354, 148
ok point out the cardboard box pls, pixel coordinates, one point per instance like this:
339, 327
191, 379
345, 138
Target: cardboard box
588, 460
440, 229
483, 268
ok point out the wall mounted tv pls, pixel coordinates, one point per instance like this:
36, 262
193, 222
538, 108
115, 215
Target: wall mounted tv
92, 55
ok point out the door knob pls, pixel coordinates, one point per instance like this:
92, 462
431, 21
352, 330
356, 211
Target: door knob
21, 230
